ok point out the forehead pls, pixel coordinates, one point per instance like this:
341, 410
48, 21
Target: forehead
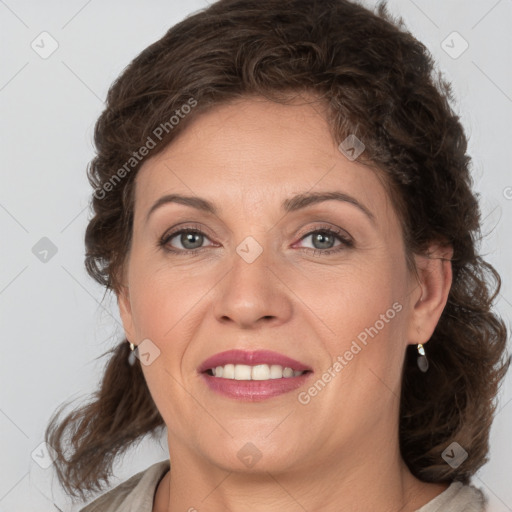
258, 153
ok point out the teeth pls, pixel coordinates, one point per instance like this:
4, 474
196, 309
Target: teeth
287, 372
258, 372
242, 372
276, 371
228, 371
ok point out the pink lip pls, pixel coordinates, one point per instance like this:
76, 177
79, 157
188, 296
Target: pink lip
253, 390
252, 359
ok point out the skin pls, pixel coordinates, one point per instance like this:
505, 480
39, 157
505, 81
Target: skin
340, 451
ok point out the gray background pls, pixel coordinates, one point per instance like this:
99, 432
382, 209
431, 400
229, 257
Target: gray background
54, 319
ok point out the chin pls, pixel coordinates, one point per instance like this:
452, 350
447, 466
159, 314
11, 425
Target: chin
253, 455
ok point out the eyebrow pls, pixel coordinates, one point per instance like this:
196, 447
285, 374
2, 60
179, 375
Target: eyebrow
289, 205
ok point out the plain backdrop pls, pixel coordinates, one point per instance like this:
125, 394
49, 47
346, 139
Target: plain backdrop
55, 321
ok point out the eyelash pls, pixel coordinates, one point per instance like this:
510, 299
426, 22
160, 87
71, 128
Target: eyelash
346, 242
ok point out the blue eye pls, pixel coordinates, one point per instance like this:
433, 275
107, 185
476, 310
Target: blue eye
324, 240
192, 240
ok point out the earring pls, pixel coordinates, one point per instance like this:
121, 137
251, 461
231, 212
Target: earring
422, 359
131, 356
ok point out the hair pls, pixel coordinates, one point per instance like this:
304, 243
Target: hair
378, 83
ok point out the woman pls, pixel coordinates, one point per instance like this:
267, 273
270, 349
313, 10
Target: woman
282, 206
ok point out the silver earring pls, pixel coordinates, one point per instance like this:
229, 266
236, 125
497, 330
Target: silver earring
131, 356
422, 359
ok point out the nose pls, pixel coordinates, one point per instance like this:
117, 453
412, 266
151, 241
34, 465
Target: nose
253, 294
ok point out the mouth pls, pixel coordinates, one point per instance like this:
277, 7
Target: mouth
253, 375
258, 372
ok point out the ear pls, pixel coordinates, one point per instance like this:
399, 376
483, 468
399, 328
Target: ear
125, 310
434, 279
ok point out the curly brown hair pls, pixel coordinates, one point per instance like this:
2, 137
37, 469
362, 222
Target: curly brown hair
378, 83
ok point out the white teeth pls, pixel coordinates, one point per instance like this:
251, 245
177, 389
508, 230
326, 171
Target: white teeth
242, 372
276, 371
287, 372
257, 372
260, 372
229, 371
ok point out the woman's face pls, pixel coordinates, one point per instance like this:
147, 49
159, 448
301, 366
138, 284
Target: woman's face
267, 268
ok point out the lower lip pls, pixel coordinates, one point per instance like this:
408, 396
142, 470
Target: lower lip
254, 390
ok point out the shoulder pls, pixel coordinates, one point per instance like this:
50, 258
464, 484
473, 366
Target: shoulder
135, 494
457, 498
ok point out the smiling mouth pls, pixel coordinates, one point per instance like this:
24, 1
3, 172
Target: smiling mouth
257, 372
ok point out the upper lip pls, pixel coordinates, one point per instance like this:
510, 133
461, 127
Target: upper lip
251, 358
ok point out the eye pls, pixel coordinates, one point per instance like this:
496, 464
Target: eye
184, 240
324, 240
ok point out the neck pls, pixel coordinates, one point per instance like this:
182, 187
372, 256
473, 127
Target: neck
375, 479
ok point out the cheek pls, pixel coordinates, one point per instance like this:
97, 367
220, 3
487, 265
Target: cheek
361, 318
164, 300
352, 297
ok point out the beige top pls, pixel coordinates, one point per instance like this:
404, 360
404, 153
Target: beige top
137, 494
